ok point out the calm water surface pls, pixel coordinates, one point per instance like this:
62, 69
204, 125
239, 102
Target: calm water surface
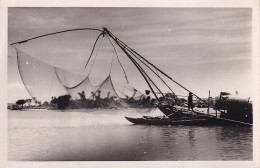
106, 135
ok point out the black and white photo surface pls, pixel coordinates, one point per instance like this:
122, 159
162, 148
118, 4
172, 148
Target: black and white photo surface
130, 84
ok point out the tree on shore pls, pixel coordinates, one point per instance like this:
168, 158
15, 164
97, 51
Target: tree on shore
46, 103
62, 101
21, 102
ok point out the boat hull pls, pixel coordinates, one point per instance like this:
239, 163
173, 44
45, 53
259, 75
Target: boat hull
208, 121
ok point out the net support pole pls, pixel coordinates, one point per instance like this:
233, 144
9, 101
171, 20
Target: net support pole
128, 48
118, 59
140, 70
132, 59
93, 49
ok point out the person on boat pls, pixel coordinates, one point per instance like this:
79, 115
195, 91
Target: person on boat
190, 103
82, 95
148, 98
98, 96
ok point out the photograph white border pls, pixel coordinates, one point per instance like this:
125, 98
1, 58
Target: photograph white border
4, 4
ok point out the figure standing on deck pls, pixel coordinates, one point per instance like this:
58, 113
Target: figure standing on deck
190, 104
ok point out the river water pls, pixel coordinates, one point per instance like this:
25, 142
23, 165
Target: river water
95, 135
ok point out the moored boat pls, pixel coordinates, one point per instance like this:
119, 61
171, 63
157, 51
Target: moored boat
196, 121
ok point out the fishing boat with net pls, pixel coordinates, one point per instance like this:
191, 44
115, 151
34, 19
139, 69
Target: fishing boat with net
74, 76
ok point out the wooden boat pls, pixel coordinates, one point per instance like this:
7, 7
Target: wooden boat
196, 121
174, 116
168, 121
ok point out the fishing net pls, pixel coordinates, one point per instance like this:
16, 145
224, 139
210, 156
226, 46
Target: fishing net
60, 64
38, 77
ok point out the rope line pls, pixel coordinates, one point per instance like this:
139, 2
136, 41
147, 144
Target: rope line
111, 63
118, 58
125, 46
93, 48
141, 70
49, 34
146, 77
95, 57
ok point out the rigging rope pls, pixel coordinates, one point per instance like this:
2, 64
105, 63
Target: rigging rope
127, 47
95, 56
141, 70
111, 63
153, 71
49, 34
93, 48
143, 73
118, 58
157, 72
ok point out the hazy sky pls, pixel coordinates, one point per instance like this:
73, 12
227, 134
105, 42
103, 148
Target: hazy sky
201, 48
